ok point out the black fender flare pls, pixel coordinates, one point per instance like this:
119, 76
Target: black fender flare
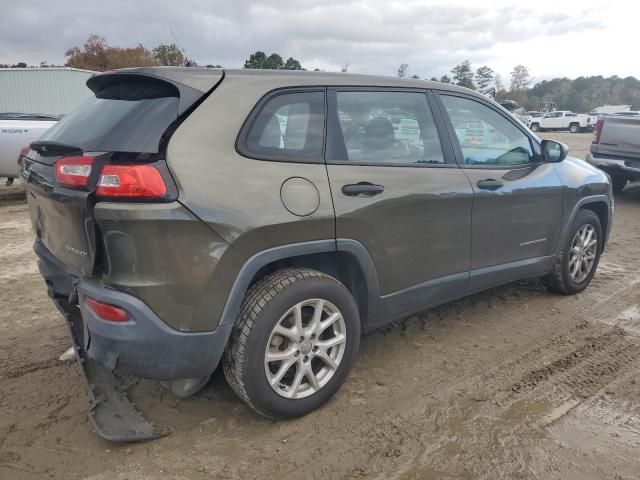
579, 205
251, 267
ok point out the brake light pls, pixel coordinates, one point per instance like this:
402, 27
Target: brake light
597, 130
106, 311
74, 171
132, 180
23, 152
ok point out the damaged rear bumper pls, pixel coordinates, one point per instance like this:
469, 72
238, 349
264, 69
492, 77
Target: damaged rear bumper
114, 417
144, 346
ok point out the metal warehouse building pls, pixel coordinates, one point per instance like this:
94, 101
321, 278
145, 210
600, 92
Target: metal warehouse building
53, 91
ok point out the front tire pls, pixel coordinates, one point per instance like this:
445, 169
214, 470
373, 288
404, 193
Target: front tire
574, 128
294, 343
579, 255
535, 127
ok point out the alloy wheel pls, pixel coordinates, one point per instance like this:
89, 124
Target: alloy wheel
582, 256
305, 348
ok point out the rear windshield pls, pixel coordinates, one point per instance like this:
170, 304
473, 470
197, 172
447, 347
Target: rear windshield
129, 116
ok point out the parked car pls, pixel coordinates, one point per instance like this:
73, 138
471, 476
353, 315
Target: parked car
265, 219
16, 131
616, 148
562, 120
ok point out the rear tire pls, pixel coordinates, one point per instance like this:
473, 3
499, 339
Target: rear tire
565, 278
618, 182
294, 314
574, 128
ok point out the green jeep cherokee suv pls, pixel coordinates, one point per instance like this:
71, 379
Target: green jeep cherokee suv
264, 220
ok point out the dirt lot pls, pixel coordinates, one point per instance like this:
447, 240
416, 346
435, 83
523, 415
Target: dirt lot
513, 383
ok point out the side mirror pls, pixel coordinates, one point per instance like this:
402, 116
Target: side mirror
553, 152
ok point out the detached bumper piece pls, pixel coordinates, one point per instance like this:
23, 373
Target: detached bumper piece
114, 417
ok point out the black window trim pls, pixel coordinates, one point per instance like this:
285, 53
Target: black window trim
533, 140
241, 139
335, 142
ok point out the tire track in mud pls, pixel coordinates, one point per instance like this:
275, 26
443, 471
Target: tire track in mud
417, 428
571, 365
604, 346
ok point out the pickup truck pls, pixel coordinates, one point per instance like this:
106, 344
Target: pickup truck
615, 148
562, 120
18, 130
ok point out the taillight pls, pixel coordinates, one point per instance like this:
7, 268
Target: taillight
597, 130
23, 152
74, 171
132, 180
106, 311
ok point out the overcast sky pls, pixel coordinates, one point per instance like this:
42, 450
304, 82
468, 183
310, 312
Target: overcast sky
551, 37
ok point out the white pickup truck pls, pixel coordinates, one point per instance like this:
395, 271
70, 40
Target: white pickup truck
18, 130
562, 120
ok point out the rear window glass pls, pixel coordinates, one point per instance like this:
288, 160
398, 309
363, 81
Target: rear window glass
125, 117
289, 126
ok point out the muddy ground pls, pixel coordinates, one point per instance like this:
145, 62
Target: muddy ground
513, 383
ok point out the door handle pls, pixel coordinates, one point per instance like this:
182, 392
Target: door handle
362, 189
489, 184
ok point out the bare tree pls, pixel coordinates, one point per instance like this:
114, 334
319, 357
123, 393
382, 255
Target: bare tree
402, 70
345, 66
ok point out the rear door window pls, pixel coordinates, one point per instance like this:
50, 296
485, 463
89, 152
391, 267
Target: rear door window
388, 128
288, 126
130, 116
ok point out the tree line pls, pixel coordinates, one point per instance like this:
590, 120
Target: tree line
579, 95
98, 55
480, 79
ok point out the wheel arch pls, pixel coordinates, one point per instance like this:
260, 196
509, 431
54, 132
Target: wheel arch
346, 260
601, 209
600, 205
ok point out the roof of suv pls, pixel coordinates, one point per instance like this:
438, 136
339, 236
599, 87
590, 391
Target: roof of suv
199, 77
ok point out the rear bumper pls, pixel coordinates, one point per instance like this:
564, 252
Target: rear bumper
144, 346
612, 164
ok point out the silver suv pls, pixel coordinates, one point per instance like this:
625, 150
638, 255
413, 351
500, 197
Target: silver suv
264, 219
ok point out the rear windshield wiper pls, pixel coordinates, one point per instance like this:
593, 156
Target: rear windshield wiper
47, 148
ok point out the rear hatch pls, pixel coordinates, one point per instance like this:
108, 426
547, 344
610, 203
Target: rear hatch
111, 148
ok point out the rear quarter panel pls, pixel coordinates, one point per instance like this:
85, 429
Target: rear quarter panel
239, 197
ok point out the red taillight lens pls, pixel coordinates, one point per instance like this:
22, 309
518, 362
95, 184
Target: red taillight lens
134, 180
597, 130
106, 311
23, 152
74, 171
